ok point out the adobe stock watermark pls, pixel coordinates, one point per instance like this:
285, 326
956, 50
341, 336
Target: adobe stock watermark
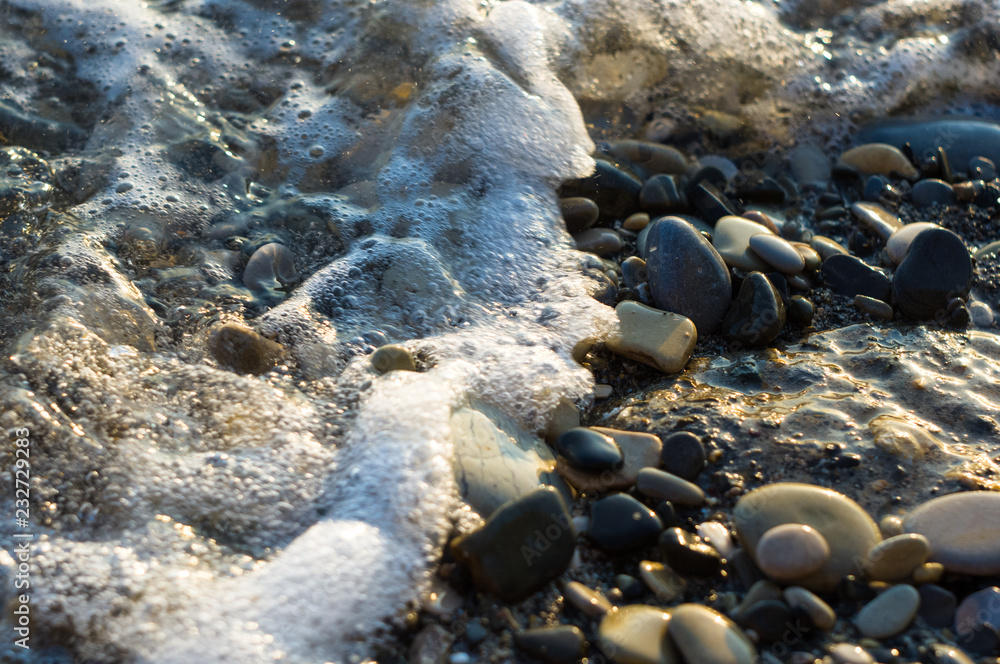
22, 538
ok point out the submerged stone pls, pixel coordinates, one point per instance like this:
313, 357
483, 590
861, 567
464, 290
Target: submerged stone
239, 348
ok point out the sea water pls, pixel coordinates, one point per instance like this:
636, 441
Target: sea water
408, 153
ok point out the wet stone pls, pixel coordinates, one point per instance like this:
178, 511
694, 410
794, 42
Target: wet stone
899, 242
630, 587
655, 483
553, 645
850, 276
778, 253
683, 455
875, 188
821, 614
634, 271
756, 317
614, 191
880, 159
963, 530
978, 610
801, 310
890, 613
587, 449
521, 547
393, 357
242, 350
758, 592
810, 257
936, 269
709, 202
687, 276
928, 573
875, 308
966, 138
769, 619
982, 315
658, 338
981, 168
810, 166
876, 219
599, 241
639, 450
791, 551
932, 192
665, 584
826, 247
708, 637
848, 653
586, 600
896, 558
579, 213
636, 634
636, 222
269, 268
941, 653
688, 554
647, 158
621, 523
732, 242
661, 194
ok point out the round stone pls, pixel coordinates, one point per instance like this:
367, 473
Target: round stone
600, 241
778, 253
757, 316
896, 558
393, 357
636, 222
978, 610
621, 523
686, 274
661, 194
553, 645
981, 314
879, 159
658, 338
820, 613
942, 653
801, 310
928, 573
936, 269
791, 551
242, 350
708, 637
587, 449
848, 530
810, 257
890, 613
269, 268
732, 241
578, 213
850, 276
655, 483
890, 526
981, 168
848, 653
683, 455
649, 158
963, 530
898, 244
634, 271
636, 634
875, 308
639, 450
826, 247
932, 192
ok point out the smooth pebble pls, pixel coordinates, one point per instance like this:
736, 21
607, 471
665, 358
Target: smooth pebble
890, 613
791, 551
898, 244
660, 339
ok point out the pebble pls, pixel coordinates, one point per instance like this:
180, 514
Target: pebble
521, 547
718, 536
942, 653
639, 450
877, 219
848, 653
937, 606
630, 587
982, 315
967, 138
586, 600
661, 194
587, 449
634, 271
896, 558
666, 584
879, 159
564, 644
708, 637
769, 620
758, 592
621, 523
688, 554
820, 613
826, 247
709, 202
430, 645
978, 610
658, 338
599, 241
890, 613
636, 222
932, 192
928, 573
652, 158
791, 551
847, 528
683, 455
777, 252
655, 483
269, 268
615, 191
578, 213
850, 276
810, 257
981, 168
393, 357
757, 315
800, 310
636, 634
687, 276
874, 308
936, 269
810, 166
890, 526
898, 244
242, 350
732, 242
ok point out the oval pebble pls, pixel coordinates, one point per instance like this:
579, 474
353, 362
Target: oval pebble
826, 247
877, 219
578, 213
666, 584
655, 483
708, 637
553, 645
600, 241
778, 253
874, 307
270, 267
879, 159
586, 600
981, 168
621, 523
791, 551
636, 222
982, 315
683, 455
937, 269
848, 653
393, 357
732, 241
890, 613
963, 530
896, 558
898, 244
820, 613
636, 634
932, 192
587, 449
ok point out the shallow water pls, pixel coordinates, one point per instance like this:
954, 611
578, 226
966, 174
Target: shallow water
407, 153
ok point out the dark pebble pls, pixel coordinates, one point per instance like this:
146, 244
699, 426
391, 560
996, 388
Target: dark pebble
940, 653
829, 199
630, 586
242, 350
967, 138
875, 188
634, 271
686, 553
621, 523
937, 605
932, 192
661, 195
762, 189
836, 212
579, 213
615, 191
757, 315
850, 276
801, 310
708, 174
981, 168
587, 449
984, 641
552, 645
710, 203
667, 513
978, 610
683, 455
937, 268
769, 618
475, 633
746, 569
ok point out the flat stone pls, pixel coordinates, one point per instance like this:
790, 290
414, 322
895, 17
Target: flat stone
666, 584
683, 455
242, 350
649, 158
757, 315
777, 252
636, 634
553, 645
942, 653
936, 269
732, 242
616, 192
718, 536
937, 606
639, 450
791, 551
978, 610
521, 547
589, 450
820, 613
847, 528
688, 554
600, 241
496, 461
880, 159
874, 308
964, 138
687, 276
898, 244
661, 339
963, 530
826, 247
876, 219
708, 637
890, 613
393, 357
578, 213
810, 257
662, 194
586, 600
655, 483
850, 276
849, 653
932, 192
621, 523
896, 558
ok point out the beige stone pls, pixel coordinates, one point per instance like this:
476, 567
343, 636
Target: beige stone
658, 338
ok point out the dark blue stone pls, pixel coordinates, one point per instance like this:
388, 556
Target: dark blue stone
587, 449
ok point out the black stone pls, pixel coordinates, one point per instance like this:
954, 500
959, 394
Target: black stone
937, 268
621, 523
757, 315
761, 189
683, 455
707, 174
587, 449
687, 553
667, 513
937, 605
965, 138
932, 192
578, 213
830, 199
553, 645
801, 310
634, 271
769, 618
875, 187
983, 641
630, 586
851, 276
981, 168
661, 194
615, 191
835, 212
710, 203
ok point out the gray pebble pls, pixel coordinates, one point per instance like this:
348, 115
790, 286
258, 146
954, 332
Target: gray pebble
874, 307
932, 192
600, 241
656, 483
890, 613
981, 168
